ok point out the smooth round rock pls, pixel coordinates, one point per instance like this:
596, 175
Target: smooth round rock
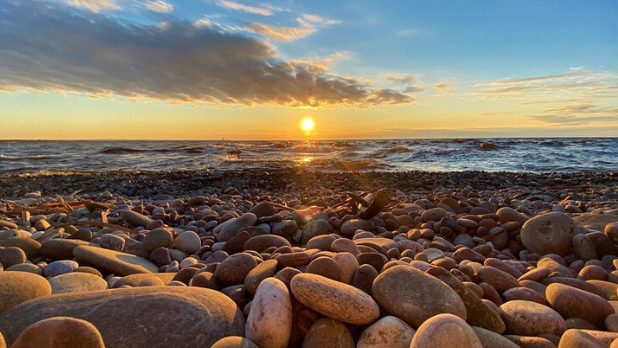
60, 249
414, 296
25, 267
549, 234
179, 317
572, 302
60, 332
326, 267
76, 282
134, 279
526, 318
445, 331
18, 287
490, 339
59, 267
388, 332
262, 271
335, 299
157, 238
112, 242
12, 256
234, 342
579, 339
611, 231
135, 218
234, 226
265, 241
188, 242
501, 281
350, 226
30, 246
269, 324
112, 261
328, 333
234, 269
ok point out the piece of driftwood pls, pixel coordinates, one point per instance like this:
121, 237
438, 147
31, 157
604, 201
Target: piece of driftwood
93, 223
381, 198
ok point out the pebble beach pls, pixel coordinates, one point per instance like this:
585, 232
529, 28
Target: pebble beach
297, 257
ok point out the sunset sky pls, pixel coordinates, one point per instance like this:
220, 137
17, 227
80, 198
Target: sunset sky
208, 69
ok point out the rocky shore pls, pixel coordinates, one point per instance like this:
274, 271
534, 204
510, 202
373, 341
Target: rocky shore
299, 258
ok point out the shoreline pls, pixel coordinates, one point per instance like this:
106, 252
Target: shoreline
295, 181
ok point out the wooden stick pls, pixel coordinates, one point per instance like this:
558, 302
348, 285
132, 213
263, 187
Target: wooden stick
93, 223
358, 199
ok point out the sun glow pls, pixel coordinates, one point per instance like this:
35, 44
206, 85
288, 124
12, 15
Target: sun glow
307, 124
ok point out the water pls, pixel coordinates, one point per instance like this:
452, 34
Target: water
515, 155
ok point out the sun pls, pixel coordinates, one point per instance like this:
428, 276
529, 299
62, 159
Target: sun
307, 124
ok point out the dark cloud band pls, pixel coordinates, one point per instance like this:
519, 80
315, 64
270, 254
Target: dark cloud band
45, 47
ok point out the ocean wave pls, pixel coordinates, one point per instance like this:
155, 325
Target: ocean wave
29, 158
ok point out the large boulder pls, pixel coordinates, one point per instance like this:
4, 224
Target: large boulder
180, 317
549, 234
112, 261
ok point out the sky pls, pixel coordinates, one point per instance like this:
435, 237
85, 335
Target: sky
252, 70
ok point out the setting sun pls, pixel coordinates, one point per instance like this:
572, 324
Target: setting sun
307, 124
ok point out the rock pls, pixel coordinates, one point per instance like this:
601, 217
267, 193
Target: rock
326, 267
579, 339
414, 296
610, 289
134, 218
157, 238
112, 242
611, 322
350, 226
507, 214
522, 293
234, 342
499, 280
328, 333
59, 267
89, 270
234, 226
269, 324
180, 317
236, 243
490, 339
315, 228
611, 231
347, 264
12, 256
335, 299
584, 248
160, 257
234, 269
526, 318
114, 261
433, 214
25, 267
262, 271
478, 313
60, 249
60, 332
28, 245
263, 242
531, 342
549, 234
344, 245
445, 331
595, 221
188, 242
134, 279
8, 224
75, 282
388, 332
18, 287
2, 342
571, 302
285, 228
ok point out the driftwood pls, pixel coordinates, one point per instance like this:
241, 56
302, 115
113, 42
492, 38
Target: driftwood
381, 199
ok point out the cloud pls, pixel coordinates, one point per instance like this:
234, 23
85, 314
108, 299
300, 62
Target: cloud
403, 79
280, 33
311, 19
309, 24
413, 89
95, 5
264, 10
577, 114
47, 48
444, 89
574, 84
159, 6
441, 86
